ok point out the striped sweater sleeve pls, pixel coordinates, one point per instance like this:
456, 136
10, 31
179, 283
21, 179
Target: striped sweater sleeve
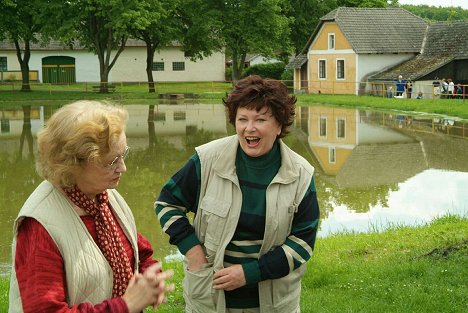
178, 197
298, 246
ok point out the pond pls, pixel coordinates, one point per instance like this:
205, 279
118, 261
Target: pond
373, 169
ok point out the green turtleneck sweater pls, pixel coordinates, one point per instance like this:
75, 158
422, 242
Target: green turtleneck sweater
254, 174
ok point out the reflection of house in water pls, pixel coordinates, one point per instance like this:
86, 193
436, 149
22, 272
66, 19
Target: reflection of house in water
12, 121
174, 122
359, 151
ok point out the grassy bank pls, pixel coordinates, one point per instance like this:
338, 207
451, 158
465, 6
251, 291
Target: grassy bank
212, 92
404, 269
451, 107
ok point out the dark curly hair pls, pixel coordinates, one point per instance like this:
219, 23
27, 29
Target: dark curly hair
255, 92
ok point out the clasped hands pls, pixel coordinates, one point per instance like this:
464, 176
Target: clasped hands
148, 288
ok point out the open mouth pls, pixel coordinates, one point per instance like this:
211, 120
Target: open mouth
252, 140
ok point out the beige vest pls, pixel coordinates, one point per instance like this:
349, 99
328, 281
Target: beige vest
89, 277
218, 214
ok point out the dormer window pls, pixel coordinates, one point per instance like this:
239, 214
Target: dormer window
331, 41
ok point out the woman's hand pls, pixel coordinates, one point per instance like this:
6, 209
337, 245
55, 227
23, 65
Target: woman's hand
196, 258
147, 289
229, 278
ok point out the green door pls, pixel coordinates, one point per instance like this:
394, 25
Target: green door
58, 70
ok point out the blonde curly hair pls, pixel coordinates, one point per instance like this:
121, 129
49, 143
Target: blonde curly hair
76, 134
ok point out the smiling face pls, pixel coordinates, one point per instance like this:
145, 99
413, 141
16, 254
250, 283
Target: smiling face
257, 131
95, 178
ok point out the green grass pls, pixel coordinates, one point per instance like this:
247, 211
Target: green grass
213, 92
404, 269
421, 269
451, 107
4, 287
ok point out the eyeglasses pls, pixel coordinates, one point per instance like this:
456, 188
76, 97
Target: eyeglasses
115, 162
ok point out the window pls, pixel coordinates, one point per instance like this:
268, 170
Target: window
159, 116
178, 66
340, 69
158, 66
179, 116
3, 64
322, 69
331, 41
323, 126
332, 155
340, 128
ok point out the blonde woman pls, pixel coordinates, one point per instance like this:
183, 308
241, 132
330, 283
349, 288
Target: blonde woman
75, 246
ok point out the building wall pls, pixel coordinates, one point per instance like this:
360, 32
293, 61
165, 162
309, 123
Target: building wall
130, 66
297, 79
87, 64
357, 66
12, 60
259, 59
319, 50
371, 63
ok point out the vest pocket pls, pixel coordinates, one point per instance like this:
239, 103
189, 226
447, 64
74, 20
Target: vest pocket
198, 290
214, 215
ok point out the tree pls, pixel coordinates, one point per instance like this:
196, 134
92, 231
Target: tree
163, 28
20, 25
102, 26
245, 26
363, 3
441, 14
305, 16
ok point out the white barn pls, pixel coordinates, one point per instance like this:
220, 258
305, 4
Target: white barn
55, 63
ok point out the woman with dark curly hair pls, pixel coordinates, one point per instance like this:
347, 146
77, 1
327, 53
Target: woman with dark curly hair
255, 205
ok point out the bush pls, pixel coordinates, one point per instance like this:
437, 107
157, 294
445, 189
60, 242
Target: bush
228, 73
288, 78
269, 70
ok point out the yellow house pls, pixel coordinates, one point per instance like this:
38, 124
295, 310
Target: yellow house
349, 44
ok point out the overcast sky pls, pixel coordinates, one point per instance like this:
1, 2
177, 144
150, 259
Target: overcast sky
438, 3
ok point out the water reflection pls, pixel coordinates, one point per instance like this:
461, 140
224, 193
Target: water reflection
372, 168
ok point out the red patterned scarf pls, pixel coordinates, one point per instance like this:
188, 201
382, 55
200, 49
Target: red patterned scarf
108, 236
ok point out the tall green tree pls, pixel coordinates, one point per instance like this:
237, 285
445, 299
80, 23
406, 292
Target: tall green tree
245, 26
305, 16
363, 3
20, 25
162, 28
102, 26
440, 14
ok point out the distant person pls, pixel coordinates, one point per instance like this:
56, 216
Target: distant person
451, 88
390, 92
420, 95
75, 245
409, 88
436, 87
400, 86
459, 92
444, 89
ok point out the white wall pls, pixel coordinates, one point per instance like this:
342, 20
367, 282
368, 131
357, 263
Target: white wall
87, 64
12, 61
371, 63
130, 66
259, 59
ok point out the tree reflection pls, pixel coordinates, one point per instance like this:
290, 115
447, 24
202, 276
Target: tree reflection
26, 133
